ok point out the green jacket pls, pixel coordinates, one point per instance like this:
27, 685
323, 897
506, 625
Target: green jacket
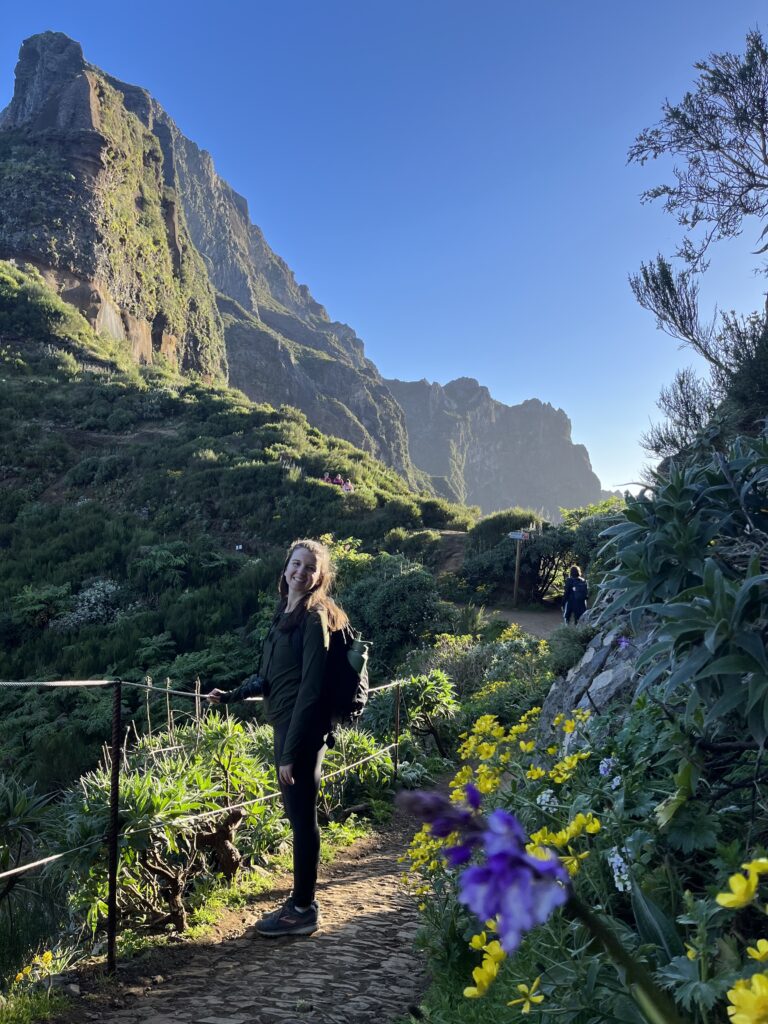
296, 692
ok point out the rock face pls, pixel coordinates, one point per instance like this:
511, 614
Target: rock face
89, 196
129, 221
482, 452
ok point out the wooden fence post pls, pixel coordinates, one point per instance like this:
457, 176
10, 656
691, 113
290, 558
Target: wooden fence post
114, 803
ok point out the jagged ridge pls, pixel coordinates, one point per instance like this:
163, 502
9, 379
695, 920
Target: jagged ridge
129, 221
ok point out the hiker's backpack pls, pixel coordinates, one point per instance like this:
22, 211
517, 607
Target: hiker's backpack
580, 590
346, 672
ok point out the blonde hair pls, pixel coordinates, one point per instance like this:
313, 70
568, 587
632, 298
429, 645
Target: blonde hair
319, 596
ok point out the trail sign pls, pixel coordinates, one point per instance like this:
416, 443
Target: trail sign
517, 536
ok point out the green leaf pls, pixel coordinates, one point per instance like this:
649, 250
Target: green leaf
654, 926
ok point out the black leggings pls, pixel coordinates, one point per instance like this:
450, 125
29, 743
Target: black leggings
300, 802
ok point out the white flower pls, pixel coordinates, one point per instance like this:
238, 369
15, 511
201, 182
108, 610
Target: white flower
620, 869
547, 800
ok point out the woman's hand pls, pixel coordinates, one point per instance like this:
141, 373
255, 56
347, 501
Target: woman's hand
285, 775
214, 697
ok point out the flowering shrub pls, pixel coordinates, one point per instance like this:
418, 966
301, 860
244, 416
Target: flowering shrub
95, 603
607, 798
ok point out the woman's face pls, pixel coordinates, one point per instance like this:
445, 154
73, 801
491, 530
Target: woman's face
302, 573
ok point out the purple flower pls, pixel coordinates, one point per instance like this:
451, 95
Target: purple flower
623, 642
607, 766
513, 886
508, 884
474, 797
439, 812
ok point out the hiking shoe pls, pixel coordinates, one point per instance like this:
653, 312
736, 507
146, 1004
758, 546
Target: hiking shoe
287, 920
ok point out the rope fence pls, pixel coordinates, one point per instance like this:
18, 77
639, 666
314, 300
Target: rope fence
112, 837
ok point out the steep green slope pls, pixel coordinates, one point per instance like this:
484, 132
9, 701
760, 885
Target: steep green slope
143, 515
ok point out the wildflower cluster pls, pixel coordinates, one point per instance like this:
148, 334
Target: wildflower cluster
568, 723
492, 747
506, 884
41, 967
96, 603
485, 973
620, 868
423, 852
609, 766
562, 839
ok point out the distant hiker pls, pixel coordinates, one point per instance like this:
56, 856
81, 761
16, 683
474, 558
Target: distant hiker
327, 478
347, 486
339, 479
296, 708
575, 596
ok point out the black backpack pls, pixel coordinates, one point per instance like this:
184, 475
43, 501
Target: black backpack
580, 589
346, 672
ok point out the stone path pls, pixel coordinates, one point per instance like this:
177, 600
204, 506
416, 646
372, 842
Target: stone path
359, 967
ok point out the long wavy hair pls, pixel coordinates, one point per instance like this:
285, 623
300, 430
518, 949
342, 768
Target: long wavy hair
318, 597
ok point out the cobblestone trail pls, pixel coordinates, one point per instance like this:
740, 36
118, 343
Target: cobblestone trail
359, 967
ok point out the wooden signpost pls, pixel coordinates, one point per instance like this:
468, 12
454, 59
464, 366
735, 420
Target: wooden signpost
518, 536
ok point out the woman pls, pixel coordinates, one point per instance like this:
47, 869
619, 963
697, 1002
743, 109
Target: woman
575, 596
291, 673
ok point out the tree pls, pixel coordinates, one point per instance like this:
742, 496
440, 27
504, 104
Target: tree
720, 132
719, 136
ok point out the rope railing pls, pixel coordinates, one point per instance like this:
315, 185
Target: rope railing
112, 838
188, 819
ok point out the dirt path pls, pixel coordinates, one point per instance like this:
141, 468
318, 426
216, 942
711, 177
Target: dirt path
358, 968
539, 622
453, 545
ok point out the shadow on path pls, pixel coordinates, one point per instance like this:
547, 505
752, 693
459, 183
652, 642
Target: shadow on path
358, 968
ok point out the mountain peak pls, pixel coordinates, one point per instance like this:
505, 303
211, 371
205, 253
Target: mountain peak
48, 64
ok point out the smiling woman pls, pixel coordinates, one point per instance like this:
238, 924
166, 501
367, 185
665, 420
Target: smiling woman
291, 677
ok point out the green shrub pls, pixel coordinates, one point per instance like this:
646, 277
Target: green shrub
492, 529
420, 545
567, 645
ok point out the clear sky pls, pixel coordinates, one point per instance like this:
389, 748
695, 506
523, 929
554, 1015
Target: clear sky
449, 179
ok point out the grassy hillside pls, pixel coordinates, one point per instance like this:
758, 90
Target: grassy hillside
143, 517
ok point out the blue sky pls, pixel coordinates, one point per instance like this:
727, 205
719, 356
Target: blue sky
449, 179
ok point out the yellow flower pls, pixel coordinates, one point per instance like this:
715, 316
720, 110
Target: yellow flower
27, 970
749, 1000
483, 976
759, 951
19, 977
757, 867
488, 779
529, 996
486, 751
47, 957
690, 952
534, 772
527, 746
569, 725
478, 941
422, 906
572, 863
742, 892
493, 951
552, 750
462, 777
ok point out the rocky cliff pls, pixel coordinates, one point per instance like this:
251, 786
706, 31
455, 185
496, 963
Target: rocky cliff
129, 221
89, 195
482, 452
